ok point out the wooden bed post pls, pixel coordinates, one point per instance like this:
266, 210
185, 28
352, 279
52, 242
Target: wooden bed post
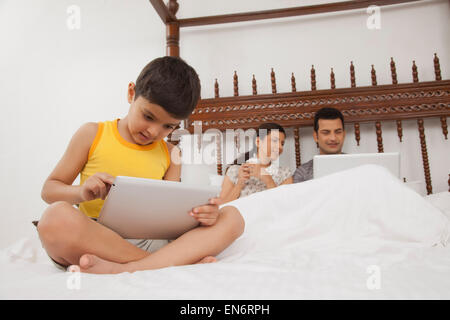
173, 32
426, 164
357, 133
379, 137
219, 154
298, 161
173, 42
173, 39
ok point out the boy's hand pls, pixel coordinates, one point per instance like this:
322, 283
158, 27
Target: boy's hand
96, 186
207, 214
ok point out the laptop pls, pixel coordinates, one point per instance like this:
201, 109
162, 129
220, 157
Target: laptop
327, 164
139, 208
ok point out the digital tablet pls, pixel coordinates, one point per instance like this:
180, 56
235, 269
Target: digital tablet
138, 208
326, 164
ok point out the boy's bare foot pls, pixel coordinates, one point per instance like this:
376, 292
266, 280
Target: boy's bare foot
208, 259
90, 263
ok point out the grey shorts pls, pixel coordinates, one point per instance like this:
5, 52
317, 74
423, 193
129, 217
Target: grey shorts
148, 245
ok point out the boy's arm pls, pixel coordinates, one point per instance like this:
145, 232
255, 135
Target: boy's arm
173, 173
58, 186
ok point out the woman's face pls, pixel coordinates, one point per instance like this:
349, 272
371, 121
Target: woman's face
271, 146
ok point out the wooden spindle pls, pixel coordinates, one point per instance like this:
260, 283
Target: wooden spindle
170, 137
444, 126
219, 153
357, 133
426, 164
297, 147
237, 141
374, 76
393, 71
399, 130
379, 137
173, 7
255, 92
352, 75
235, 84
173, 39
437, 68
216, 89
294, 89
332, 79
272, 79
199, 142
313, 78
449, 182
415, 74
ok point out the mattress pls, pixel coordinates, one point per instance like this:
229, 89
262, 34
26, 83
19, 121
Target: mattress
358, 234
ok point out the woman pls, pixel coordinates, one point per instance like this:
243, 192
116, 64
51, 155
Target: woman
260, 172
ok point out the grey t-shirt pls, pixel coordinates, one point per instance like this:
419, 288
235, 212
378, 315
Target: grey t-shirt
304, 172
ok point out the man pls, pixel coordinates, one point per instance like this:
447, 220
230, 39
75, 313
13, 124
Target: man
329, 134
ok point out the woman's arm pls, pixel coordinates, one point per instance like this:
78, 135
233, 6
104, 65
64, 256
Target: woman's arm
289, 180
58, 186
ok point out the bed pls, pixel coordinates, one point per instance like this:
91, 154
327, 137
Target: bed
288, 252
352, 249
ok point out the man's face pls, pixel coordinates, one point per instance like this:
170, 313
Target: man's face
330, 136
148, 122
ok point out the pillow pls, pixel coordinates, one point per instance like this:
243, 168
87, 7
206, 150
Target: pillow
441, 201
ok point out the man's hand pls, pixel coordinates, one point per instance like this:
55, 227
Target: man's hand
96, 186
207, 214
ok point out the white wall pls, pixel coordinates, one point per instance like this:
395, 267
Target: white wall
53, 79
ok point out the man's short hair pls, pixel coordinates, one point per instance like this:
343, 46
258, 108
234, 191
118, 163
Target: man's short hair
327, 113
170, 83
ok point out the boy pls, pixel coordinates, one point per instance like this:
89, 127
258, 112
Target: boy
329, 134
166, 91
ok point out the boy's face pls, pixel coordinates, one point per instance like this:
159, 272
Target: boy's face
148, 122
330, 136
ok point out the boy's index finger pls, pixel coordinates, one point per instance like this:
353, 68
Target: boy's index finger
106, 177
216, 201
204, 208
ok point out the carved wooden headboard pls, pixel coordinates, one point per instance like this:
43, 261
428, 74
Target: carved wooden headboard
374, 104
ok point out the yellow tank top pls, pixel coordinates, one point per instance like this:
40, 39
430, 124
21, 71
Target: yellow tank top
112, 154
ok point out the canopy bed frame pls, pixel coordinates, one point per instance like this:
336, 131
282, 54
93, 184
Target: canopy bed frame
374, 104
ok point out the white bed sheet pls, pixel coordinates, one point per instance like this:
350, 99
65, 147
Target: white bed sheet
338, 237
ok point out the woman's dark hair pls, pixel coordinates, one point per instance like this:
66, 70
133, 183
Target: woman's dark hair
327, 113
170, 83
262, 131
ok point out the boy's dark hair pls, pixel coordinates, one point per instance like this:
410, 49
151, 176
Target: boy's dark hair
327, 113
170, 83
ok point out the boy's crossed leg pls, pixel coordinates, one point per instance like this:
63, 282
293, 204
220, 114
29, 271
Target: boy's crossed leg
66, 234
71, 238
198, 245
